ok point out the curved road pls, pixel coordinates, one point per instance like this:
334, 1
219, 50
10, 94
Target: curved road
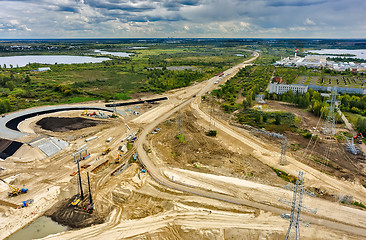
158, 176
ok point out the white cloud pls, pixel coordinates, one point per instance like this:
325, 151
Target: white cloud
308, 21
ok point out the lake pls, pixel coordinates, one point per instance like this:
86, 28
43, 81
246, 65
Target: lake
358, 53
117, 54
22, 61
40, 228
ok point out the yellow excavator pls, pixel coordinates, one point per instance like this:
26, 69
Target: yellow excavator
106, 151
14, 190
118, 157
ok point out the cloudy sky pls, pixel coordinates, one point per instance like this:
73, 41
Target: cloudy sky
182, 18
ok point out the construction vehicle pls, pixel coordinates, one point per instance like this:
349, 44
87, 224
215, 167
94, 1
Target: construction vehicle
358, 138
147, 149
76, 201
106, 151
14, 190
118, 157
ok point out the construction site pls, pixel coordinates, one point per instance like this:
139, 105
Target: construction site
151, 169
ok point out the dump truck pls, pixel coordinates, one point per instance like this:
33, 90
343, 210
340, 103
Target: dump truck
106, 151
14, 190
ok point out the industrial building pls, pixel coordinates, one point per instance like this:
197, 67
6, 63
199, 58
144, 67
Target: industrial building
282, 88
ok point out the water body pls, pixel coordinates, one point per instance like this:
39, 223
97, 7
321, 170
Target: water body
117, 54
22, 61
358, 53
40, 228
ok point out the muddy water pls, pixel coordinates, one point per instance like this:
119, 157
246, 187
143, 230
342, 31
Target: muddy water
41, 227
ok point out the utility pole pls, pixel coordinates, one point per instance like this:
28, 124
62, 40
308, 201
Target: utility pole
283, 152
179, 123
212, 126
90, 195
293, 231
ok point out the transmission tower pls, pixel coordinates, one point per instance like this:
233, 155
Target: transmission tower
212, 123
329, 125
179, 123
293, 231
283, 152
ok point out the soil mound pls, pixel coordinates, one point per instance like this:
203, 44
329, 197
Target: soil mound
8, 147
74, 217
60, 124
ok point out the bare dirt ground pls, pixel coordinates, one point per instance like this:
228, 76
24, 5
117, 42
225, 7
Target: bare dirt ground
324, 155
199, 152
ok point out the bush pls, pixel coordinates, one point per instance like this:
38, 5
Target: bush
180, 137
211, 133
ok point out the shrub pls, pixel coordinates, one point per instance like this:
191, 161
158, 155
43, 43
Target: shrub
211, 133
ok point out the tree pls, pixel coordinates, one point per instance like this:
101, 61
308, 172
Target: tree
278, 119
361, 125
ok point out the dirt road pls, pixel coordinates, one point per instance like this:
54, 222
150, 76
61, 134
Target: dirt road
156, 173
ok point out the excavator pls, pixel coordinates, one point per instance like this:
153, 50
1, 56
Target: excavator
118, 157
14, 190
358, 138
106, 151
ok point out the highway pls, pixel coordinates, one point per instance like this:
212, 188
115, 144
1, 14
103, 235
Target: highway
158, 176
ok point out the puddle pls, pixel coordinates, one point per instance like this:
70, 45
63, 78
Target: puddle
41, 227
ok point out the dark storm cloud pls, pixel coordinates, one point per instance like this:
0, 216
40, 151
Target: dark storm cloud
292, 3
122, 5
176, 5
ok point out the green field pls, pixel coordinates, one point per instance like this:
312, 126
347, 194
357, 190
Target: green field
118, 78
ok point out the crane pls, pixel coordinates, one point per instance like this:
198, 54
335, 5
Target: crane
14, 190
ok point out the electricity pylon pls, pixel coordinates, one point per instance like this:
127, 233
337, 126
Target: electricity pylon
283, 152
329, 125
293, 231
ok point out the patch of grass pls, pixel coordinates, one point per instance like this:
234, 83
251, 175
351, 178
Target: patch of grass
359, 204
305, 133
129, 146
285, 176
181, 138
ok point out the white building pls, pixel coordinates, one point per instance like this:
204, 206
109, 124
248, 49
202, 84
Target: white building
313, 61
282, 88
43, 69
